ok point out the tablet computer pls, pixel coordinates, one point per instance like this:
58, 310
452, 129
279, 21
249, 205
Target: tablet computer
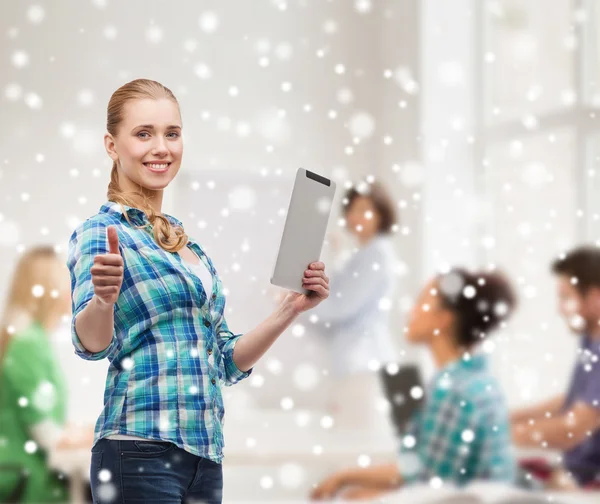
404, 390
304, 229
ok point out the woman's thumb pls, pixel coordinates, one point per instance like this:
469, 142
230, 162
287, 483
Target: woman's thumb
113, 240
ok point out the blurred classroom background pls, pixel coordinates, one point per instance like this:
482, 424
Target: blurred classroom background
480, 117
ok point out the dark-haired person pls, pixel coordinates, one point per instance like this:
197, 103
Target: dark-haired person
354, 321
571, 422
462, 431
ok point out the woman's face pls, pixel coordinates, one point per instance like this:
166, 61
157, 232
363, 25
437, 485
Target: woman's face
148, 146
428, 317
362, 217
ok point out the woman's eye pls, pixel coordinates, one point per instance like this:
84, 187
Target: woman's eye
176, 135
142, 133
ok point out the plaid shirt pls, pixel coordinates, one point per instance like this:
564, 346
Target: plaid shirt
171, 348
462, 431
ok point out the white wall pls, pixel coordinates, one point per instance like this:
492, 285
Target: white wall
486, 202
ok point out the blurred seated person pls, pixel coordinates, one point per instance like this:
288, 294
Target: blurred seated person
462, 431
33, 393
570, 422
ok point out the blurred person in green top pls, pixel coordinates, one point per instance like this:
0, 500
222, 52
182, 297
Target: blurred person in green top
33, 393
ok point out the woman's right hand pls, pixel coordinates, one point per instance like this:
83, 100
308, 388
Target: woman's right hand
107, 271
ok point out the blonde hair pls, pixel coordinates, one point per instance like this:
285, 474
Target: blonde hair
39, 266
168, 237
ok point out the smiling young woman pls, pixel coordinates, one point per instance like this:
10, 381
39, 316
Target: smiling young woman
147, 297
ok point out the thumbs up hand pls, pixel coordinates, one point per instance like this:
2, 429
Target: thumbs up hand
107, 271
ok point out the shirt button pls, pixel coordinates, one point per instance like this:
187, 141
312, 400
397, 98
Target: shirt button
206, 323
213, 381
214, 296
209, 351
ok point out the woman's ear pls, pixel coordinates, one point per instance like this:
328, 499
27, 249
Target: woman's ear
109, 145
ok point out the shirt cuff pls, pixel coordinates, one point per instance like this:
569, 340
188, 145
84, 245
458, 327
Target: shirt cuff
232, 373
83, 352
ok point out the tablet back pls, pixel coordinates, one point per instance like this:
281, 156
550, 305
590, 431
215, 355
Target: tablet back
304, 229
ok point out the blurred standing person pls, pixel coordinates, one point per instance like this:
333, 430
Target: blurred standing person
354, 320
33, 393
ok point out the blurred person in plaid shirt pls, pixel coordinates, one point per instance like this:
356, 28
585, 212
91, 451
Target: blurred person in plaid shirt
461, 433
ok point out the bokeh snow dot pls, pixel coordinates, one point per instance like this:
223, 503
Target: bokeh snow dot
154, 34
30, 446
266, 482
104, 475
467, 435
9, 233
326, 422
107, 492
13, 92
500, 309
469, 292
436, 482
37, 291
33, 101
287, 403
412, 174
416, 392
363, 6
203, 71
362, 125
44, 396
291, 475
298, 330
209, 22
344, 96
110, 32
85, 97
451, 284
323, 205
306, 376
242, 198
127, 363
20, 59
35, 14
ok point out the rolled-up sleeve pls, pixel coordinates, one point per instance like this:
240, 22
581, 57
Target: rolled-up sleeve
87, 241
226, 341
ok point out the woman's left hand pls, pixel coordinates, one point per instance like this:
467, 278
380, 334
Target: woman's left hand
314, 280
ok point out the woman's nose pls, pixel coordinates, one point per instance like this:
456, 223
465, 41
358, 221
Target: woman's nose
160, 146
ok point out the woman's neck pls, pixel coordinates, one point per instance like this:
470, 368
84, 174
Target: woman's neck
155, 197
365, 239
445, 350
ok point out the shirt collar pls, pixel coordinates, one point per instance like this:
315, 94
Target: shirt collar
469, 362
136, 215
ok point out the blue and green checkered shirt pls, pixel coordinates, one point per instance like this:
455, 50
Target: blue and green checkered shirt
462, 431
171, 348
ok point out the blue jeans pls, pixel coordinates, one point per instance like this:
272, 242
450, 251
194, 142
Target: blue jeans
124, 471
